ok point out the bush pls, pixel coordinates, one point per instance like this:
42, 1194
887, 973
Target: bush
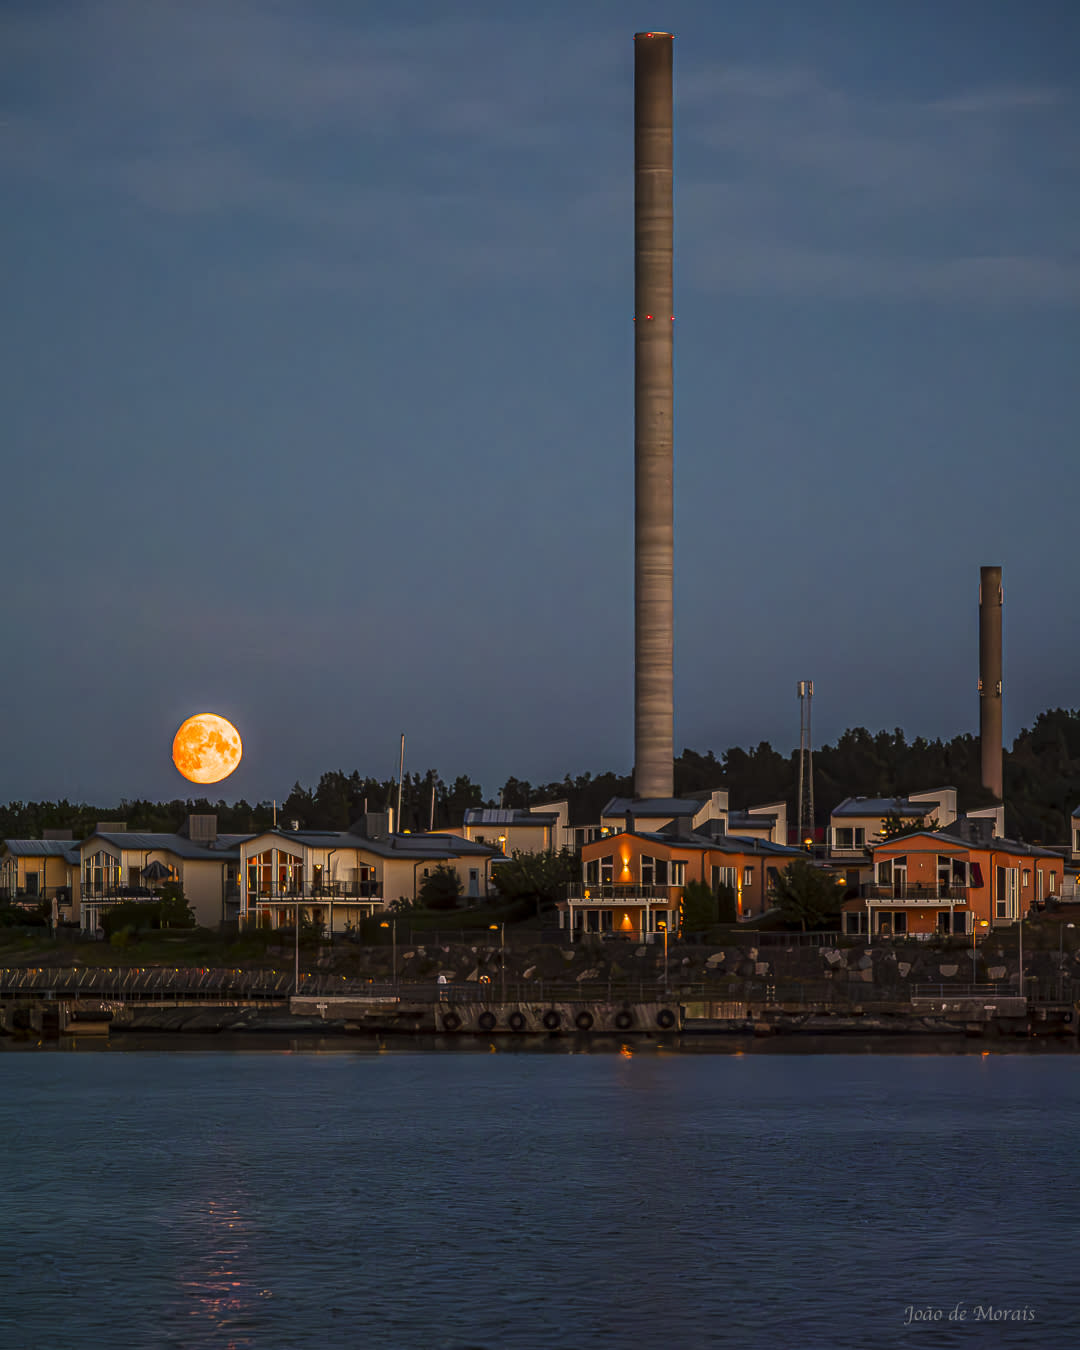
698, 907
170, 911
441, 888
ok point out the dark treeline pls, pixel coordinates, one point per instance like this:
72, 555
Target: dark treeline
1042, 787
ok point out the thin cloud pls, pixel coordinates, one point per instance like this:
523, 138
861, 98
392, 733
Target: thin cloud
502, 150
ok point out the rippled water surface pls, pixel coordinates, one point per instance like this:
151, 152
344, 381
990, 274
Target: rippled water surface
522, 1201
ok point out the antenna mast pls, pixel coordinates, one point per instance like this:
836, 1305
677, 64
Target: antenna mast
805, 689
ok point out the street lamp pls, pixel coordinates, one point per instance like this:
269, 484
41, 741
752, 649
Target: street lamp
663, 929
392, 925
501, 928
296, 951
1061, 958
975, 926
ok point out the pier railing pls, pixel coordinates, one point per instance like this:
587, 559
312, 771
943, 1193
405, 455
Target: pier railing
157, 984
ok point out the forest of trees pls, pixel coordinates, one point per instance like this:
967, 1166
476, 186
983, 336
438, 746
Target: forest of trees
1042, 787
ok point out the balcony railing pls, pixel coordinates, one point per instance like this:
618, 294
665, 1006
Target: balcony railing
19, 895
326, 891
911, 893
589, 893
93, 894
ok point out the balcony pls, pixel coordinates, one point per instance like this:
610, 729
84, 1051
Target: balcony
607, 894
911, 893
93, 894
29, 899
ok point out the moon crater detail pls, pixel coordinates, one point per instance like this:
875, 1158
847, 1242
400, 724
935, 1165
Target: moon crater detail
207, 748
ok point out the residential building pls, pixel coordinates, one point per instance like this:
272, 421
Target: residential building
769, 822
857, 823
634, 879
951, 881
512, 831
121, 865
654, 813
337, 878
36, 870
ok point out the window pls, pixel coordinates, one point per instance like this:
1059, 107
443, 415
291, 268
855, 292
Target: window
884, 872
1006, 901
607, 870
849, 836
647, 871
1027, 877
725, 876
678, 873
606, 920
101, 874
899, 922
1051, 881
32, 882
592, 872
747, 877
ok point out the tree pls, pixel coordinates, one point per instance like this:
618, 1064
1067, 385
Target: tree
894, 825
539, 877
727, 908
699, 907
441, 888
807, 895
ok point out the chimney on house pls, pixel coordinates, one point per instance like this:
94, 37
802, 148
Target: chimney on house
654, 401
990, 735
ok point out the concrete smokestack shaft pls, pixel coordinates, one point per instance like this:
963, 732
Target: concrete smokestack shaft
653, 417
990, 733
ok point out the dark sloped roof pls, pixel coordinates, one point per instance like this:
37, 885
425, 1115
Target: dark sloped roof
489, 815
42, 848
652, 806
389, 846
224, 848
884, 806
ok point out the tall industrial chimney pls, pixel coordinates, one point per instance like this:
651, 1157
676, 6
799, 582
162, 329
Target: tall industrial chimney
990, 602
654, 400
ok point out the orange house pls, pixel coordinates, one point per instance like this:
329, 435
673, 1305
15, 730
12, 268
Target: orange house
932, 881
633, 882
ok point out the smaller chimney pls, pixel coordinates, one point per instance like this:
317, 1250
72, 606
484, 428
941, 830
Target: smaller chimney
991, 598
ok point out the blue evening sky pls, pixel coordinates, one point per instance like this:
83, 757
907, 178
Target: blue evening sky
317, 377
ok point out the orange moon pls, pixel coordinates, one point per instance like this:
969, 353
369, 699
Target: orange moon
207, 748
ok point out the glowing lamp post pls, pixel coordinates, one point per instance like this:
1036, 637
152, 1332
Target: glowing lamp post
392, 925
663, 929
1061, 958
975, 926
500, 928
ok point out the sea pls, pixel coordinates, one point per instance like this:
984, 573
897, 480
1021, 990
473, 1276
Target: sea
407, 1195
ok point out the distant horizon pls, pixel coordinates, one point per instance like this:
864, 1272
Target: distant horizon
207, 794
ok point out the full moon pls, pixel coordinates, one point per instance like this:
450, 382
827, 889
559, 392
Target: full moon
207, 748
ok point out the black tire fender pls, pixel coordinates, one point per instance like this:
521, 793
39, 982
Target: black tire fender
584, 1021
487, 1020
451, 1021
552, 1020
624, 1020
516, 1021
665, 1019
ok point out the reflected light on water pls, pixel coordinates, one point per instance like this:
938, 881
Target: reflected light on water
219, 1295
